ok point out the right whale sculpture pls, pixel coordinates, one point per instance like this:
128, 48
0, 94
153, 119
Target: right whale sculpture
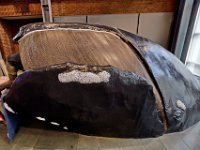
103, 81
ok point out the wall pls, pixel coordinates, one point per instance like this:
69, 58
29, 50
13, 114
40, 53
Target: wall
151, 23
154, 26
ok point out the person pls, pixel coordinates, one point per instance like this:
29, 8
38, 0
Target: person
13, 64
2, 120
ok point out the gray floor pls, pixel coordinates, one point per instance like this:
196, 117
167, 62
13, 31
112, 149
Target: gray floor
43, 139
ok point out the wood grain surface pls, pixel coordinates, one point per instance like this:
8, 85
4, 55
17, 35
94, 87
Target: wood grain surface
86, 7
49, 47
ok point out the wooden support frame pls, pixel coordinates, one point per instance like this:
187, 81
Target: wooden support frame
46, 10
86, 7
26, 10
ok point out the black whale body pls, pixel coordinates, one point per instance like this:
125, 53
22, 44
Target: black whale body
125, 106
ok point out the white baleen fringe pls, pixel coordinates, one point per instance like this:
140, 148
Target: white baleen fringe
55, 123
40, 118
180, 105
84, 77
8, 108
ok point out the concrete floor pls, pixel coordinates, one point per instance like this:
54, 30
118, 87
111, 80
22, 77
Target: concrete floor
45, 139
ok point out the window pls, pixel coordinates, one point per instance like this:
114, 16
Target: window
193, 54
186, 38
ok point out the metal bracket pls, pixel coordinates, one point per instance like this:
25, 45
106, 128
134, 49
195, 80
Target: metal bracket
46, 10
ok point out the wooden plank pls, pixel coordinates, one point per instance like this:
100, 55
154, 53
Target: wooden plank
5, 39
86, 7
20, 9
93, 7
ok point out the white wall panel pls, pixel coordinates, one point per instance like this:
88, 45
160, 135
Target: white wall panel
126, 22
156, 27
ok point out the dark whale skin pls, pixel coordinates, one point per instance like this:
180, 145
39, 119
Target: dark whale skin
123, 107
175, 82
